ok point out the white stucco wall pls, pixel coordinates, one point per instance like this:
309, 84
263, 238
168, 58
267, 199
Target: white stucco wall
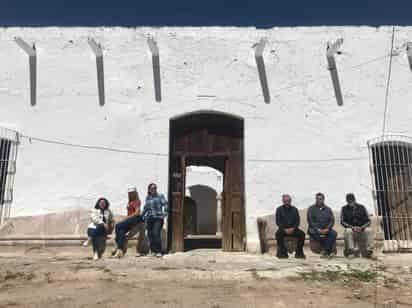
303, 121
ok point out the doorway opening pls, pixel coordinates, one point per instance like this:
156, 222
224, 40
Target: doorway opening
203, 208
391, 166
206, 182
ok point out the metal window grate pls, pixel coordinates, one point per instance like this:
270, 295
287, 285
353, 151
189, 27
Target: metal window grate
9, 140
391, 169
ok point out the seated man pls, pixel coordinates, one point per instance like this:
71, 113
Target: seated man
355, 219
320, 223
288, 220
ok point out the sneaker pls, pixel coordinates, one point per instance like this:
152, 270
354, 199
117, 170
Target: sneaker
153, 254
159, 255
300, 255
96, 256
119, 254
86, 242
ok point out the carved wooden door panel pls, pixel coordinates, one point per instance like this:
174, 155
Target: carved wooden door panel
178, 195
233, 207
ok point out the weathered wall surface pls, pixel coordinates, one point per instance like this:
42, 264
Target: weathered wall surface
289, 143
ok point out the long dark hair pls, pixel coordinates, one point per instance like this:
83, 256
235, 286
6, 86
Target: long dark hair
96, 206
148, 188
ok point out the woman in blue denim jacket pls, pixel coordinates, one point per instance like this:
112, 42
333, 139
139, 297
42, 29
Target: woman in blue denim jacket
154, 211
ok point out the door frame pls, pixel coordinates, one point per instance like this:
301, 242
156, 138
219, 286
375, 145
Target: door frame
210, 147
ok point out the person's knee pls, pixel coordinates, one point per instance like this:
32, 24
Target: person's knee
348, 231
333, 234
300, 233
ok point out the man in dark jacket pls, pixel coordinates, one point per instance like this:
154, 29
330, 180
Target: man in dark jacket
288, 220
355, 219
320, 222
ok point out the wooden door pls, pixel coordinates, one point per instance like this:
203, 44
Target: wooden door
233, 205
178, 195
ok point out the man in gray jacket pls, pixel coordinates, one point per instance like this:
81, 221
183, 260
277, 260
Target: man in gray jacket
320, 222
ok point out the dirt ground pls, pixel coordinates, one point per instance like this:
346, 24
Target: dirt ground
39, 276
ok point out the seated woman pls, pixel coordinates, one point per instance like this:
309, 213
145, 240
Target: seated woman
132, 220
101, 224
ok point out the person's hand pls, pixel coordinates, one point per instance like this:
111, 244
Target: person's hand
356, 229
324, 231
289, 230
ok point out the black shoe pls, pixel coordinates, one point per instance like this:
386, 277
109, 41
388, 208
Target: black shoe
348, 253
368, 254
282, 255
324, 254
300, 255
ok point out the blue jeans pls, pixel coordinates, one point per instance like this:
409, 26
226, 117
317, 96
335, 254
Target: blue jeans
94, 233
154, 229
123, 227
327, 242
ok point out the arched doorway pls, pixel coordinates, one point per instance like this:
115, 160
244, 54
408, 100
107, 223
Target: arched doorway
391, 167
215, 140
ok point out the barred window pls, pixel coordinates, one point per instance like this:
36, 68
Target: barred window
391, 166
8, 154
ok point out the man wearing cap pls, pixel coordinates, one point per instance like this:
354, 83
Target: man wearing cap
355, 219
132, 220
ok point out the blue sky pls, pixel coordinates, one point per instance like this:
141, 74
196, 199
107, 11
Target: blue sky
259, 13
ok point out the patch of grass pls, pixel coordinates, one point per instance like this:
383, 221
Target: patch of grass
363, 276
17, 275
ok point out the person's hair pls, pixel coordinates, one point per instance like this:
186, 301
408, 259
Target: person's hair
286, 195
98, 201
134, 192
319, 194
350, 197
148, 187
